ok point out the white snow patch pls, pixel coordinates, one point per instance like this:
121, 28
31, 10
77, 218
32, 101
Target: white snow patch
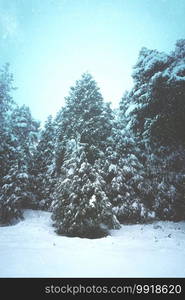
71, 171
92, 201
112, 168
130, 109
151, 214
31, 248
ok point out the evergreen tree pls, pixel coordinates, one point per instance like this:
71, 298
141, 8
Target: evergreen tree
158, 95
86, 121
123, 170
158, 119
9, 202
6, 86
13, 192
43, 168
25, 130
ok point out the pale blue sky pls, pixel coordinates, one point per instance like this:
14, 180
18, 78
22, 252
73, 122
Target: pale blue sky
50, 43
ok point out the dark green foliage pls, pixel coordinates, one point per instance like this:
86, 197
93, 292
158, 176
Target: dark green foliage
158, 120
159, 94
124, 171
163, 188
14, 190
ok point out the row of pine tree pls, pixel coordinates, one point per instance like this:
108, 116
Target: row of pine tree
93, 167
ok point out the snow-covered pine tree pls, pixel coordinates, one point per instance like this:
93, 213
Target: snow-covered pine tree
159, 120
123, 168
86, 120
25, 130
43, 168
10, 174
6, 101
158, 95
81, 207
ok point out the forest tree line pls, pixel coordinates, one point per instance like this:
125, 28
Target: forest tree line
95, 167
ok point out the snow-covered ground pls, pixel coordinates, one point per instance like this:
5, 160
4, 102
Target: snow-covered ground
32, 249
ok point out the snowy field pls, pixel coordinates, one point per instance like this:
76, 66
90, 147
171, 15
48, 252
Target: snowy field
32, 249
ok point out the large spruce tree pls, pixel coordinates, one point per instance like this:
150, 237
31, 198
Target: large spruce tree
158, 119
9, 198
25, 130
81, 207
18, 133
